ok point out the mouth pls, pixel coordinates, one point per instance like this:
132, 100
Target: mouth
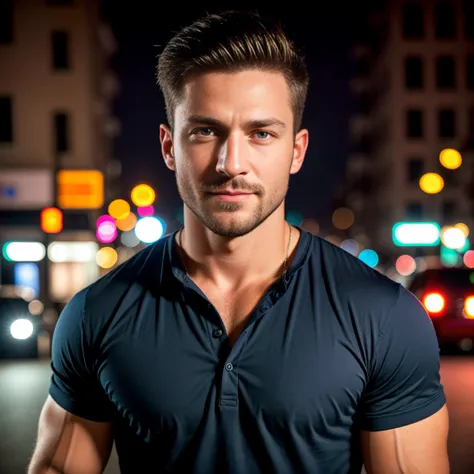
232, 195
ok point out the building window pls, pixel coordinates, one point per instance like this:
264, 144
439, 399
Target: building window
413, 72
6, 120
413, 21
61, 132
468, 14
446, 123
445, 72
414, 211
470, 72
60, 50
445, 20
414, 122
6, 21
415, 167
449, 211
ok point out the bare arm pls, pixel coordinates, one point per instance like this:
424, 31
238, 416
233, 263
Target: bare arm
68, 444
418, 448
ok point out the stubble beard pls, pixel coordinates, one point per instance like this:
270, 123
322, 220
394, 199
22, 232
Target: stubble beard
230, 228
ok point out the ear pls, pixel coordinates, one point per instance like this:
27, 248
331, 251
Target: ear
299, 150
166, 139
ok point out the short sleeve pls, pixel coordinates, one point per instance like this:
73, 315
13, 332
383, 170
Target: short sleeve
74, 384
404, 385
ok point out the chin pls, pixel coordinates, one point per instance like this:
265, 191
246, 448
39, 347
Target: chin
230, 226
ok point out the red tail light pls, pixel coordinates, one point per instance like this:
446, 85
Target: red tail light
434, 303
469, 307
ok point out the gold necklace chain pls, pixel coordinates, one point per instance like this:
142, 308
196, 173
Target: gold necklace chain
285, 262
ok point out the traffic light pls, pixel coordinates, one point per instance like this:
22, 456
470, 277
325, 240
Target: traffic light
51, 220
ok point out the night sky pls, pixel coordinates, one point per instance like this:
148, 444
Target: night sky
326, 37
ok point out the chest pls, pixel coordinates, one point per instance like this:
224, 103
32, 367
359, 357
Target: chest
235, 307
289, 367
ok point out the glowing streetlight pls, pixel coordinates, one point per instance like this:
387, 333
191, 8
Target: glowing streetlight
450, 158
431, 183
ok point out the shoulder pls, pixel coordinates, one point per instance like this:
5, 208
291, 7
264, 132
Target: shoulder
99, 300
352, 282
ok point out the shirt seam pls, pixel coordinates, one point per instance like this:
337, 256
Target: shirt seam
387, 317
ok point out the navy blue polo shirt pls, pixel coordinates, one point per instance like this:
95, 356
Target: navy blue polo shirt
332, 348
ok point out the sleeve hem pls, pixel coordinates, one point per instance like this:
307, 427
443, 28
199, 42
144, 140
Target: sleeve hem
398, 420
73, 407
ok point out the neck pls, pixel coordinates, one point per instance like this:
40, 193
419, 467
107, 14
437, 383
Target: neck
237, 262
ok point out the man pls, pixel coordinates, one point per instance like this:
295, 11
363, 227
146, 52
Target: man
241, 344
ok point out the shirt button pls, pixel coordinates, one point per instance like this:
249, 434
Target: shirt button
229, 367
217, 333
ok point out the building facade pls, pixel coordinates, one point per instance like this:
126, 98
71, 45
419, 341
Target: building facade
414, 86
56, 136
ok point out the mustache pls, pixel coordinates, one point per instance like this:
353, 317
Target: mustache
235, 184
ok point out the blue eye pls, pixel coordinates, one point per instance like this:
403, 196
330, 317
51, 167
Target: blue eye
262, 135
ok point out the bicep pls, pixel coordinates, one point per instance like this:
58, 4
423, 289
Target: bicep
417, 448
70, 444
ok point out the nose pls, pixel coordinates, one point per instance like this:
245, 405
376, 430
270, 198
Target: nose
231, 160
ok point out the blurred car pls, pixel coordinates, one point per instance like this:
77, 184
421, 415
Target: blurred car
448, 297
18, 331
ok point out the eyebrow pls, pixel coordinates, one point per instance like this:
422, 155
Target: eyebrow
258, 123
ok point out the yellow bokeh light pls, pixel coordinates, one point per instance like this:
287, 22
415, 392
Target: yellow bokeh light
463, 228
342, 218
127, 223
431, 183
119, 209
106, 257
450, 158
143, 195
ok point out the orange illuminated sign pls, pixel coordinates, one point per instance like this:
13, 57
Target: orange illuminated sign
51, 219
80, 189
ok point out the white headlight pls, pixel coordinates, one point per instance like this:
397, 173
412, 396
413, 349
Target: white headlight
21, 329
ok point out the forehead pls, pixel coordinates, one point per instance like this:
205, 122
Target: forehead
232, 96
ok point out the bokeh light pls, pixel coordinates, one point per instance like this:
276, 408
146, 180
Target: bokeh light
104, 218
119, 209
128, 223
294, 218
106, 232
463, 228
343, 218
369, 257
310, 225
143, 195
468, 259
35, 307
129, 239
350, 246
106, 257
146, 211
149, 229
431, 183
405, 265
450, 158
452, 237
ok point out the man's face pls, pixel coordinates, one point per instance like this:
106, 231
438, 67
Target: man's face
233, 148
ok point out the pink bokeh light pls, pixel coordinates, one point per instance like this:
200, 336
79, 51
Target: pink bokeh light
146, 211
106, 232
104, 218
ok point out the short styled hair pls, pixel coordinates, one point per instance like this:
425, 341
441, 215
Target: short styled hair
231, 42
